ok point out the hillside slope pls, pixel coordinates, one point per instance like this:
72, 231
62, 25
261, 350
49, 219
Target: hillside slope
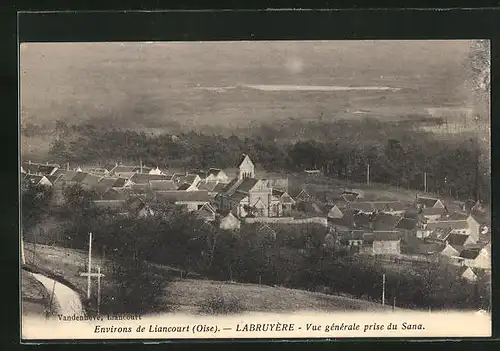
187, 295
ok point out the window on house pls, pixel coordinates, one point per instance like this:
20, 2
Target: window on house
199, 207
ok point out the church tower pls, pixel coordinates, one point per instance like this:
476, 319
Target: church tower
246, 168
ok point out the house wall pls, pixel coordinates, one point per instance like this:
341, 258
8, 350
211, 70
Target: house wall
229, 223
483, 261
432, 217
449, 251
438, 204
336, 213
246, 170
387, 247
474, 228
288, 220
469, 275
221, 177
191, 205
394, 213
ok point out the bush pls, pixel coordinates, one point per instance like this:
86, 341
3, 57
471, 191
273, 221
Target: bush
217, 303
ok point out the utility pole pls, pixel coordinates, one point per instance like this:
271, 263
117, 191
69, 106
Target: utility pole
89, 265
34, 246
23, 258
425, 182
383, 290
98, 289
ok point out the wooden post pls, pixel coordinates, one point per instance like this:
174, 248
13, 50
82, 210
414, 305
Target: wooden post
52, 297
98, 289
89, 265
368, 174
34, 247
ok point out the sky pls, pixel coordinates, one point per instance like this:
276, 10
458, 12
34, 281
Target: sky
194, 83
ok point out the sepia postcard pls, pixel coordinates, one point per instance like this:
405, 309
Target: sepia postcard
255, 189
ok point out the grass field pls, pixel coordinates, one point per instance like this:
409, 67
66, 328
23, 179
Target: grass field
187, 295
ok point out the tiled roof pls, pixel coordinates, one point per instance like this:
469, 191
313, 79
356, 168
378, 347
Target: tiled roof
30, 167
184, 186
349, 197
143, 169
426, 201
79, 177
407, 223
384, 221
278, 193
386, 236
456, 239
68, 176
244, 157
106, 183
440, 234
362, 206
163, 185
247, 184
141, 178
460, 224
229, 186
91, 180
362, 220
52, 178
207, 185
60, 172
124, 169
237, 196
219, 188
214, 171
189, 178
139, 188
470, 253
47, 169
109, 166
352, 235
463, 269
185, 196
119, 183
33, 179
433, 211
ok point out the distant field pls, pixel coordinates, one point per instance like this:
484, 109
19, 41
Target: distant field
139, 85
188, 294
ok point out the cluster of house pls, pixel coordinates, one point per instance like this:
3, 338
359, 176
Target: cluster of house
209, 192
421, 230
424, 230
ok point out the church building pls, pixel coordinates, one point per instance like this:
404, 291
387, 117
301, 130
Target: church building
247, 196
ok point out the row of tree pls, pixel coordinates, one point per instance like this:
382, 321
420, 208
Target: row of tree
396, 155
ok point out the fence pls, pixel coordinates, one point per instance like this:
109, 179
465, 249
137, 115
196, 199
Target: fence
288, 220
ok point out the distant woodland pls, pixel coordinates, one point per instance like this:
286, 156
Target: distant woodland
397, 153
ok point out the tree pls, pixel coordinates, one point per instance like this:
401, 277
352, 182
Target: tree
35, 203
